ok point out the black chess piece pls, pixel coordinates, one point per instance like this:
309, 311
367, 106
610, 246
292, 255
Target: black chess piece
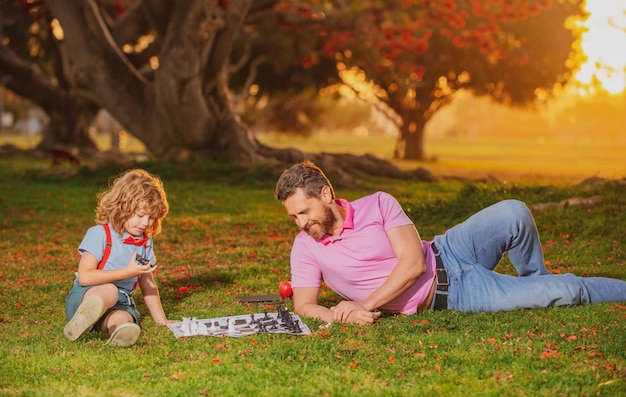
296, 327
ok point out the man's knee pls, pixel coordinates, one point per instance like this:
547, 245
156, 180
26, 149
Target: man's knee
518, 211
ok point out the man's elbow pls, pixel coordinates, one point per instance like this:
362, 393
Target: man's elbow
305, 309
299, 309
417, 271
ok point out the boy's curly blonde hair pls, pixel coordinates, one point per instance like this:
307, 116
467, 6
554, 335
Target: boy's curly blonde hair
133, 191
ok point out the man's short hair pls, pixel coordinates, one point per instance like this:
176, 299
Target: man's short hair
305, 175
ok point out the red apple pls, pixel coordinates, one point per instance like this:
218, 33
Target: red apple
284, 289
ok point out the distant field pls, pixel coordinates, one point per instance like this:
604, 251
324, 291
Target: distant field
509, 159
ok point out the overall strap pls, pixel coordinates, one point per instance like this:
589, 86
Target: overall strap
107, 251
107, 248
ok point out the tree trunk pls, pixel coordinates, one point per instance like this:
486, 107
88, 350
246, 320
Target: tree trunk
70, 115
68, 126
410, 144
186, 111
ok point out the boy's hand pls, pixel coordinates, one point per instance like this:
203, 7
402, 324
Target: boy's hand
137, 268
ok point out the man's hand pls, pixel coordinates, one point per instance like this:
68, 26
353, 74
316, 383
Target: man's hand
353, 312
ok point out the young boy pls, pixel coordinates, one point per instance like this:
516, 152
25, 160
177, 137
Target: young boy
116, 257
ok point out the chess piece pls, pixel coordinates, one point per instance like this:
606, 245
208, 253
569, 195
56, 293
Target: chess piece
296, 327
186, 326
231, 326
213, 326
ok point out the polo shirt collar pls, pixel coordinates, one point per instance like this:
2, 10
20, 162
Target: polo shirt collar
348, 222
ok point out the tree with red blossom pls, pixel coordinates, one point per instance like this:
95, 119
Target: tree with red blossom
419, 53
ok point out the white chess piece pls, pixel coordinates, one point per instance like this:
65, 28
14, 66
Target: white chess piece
186, 327
231, 326
195, 329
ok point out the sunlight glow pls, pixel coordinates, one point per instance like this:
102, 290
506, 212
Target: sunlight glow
604, 44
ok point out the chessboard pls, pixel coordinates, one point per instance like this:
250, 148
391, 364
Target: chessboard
279, 322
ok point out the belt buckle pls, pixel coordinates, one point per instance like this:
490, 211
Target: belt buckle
442, 277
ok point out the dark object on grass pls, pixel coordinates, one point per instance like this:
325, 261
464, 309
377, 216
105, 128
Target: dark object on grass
60, 155
258, 298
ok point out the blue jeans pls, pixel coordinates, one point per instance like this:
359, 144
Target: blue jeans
471, 250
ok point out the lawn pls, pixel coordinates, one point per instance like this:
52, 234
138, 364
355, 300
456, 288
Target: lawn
226, 235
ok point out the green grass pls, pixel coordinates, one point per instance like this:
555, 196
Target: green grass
226, 235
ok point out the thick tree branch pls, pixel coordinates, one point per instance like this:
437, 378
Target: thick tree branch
97, 62
23, 79
224, 40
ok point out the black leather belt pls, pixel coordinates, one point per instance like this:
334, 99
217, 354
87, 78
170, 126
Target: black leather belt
441, 291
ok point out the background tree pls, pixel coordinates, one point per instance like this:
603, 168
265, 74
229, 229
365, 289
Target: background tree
32, 66
156, 66
418, 54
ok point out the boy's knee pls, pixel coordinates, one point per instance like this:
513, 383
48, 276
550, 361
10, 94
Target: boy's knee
108, 292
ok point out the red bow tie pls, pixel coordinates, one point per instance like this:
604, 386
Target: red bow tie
136, 241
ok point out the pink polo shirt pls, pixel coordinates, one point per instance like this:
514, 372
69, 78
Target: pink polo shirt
360, 259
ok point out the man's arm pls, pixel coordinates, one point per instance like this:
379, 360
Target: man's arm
305, 302
407, 246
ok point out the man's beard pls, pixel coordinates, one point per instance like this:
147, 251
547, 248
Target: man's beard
324, 226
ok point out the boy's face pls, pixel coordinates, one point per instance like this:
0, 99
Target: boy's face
139, 223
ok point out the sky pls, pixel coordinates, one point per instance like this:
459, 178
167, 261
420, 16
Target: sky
605, 45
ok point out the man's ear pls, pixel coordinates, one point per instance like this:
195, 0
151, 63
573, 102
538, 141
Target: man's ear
326, 194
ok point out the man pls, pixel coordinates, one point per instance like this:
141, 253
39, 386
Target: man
369, 252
